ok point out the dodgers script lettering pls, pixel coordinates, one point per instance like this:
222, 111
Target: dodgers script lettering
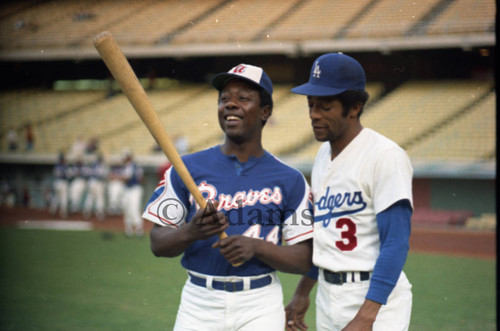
338, 205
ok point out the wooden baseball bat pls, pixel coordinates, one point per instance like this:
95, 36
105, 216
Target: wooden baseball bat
121, 70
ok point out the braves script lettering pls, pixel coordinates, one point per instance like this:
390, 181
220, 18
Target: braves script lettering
349, 203
241, 198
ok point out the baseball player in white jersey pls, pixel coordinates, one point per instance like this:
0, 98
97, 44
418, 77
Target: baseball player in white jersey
132, 197
79, 172
116, 188
361, 184
95, 199
59, 200
259, 202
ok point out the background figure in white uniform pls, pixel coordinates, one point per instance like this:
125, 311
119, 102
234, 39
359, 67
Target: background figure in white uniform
132, 176
98, 174
60, 197
78, 184
116, 188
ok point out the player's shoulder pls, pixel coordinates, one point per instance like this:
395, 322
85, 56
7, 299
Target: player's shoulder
382, 148
377, 141
275, 164
202, 155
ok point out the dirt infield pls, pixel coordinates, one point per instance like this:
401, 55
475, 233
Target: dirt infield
450, 241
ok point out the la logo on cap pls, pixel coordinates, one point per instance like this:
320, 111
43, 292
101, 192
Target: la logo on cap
316, 71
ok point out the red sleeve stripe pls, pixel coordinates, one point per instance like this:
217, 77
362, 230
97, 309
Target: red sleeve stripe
300, 235
165, 221
160, 184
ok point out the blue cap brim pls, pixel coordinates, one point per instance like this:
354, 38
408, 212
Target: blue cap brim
219, 80
317, 90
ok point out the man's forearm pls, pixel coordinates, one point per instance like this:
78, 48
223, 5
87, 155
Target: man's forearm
169, 242
295, 259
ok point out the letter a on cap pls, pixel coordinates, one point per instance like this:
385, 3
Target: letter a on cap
238, 69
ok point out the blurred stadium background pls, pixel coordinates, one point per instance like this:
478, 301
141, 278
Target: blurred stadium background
429, 64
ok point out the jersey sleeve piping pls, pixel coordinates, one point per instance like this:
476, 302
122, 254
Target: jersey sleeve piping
302, 237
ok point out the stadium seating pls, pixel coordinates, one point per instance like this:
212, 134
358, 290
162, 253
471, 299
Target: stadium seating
416, 107
433, 120
425, 117
313, 20
38, 106
465, 16
36, 25
68, 23
237, 21
158, 20
390, 18
468, 137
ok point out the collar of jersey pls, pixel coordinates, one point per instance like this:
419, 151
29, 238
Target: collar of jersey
242, 166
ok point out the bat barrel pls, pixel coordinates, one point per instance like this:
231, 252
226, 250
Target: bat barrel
121, 70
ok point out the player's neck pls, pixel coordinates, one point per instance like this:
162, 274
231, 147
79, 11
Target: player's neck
243, 151
339, 144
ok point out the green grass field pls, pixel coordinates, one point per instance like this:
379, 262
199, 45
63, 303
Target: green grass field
63, 280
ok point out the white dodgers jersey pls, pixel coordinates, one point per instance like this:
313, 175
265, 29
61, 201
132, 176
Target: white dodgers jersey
367, 177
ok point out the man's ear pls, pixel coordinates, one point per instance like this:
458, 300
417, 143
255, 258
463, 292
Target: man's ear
265, 112
354, 111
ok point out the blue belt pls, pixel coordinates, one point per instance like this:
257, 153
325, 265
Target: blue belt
231, 286
339, 278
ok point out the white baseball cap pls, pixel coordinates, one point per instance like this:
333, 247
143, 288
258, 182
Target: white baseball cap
253, 74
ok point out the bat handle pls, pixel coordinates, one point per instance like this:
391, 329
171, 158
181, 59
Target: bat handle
223, 235
203, 203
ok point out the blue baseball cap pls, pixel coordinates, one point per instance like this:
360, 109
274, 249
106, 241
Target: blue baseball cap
332, 74
250, 73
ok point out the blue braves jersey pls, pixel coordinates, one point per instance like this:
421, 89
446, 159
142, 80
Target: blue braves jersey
98, 171
78, 171
133, 174
61, 171
261, 198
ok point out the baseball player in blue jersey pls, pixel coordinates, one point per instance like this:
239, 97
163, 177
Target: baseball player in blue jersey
258, 200
361, 184
60, 198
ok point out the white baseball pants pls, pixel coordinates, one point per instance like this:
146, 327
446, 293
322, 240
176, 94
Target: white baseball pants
76, 191
60, 199
336, 305
95, 197
132, 210
217, 310
115, 197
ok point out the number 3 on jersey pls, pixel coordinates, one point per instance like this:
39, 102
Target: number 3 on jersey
348, 234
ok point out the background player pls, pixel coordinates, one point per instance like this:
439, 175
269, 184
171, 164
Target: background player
95, 200
259, 202
132, 197
361, 183
78, 175
59, 200
116, 187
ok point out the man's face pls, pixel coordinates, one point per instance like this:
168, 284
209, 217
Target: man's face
327, 118
240, 114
